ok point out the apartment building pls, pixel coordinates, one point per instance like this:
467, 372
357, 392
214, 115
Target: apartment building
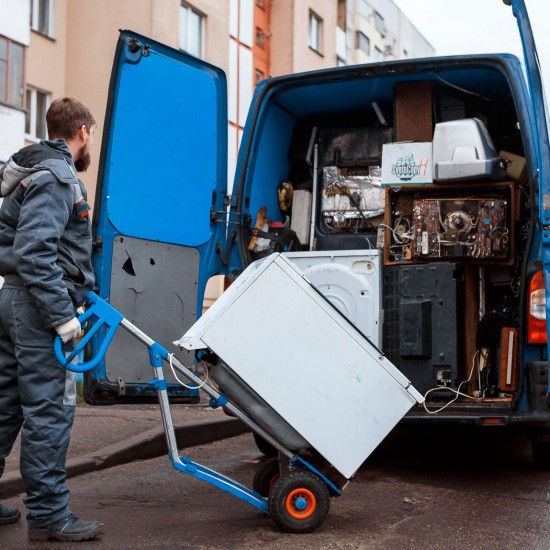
51, 48
14, 41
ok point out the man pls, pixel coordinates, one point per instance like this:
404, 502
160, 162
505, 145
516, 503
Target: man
45, 258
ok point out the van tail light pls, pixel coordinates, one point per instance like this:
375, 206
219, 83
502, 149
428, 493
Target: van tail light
536, 322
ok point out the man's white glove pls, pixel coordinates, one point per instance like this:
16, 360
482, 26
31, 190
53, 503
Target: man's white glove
69, 330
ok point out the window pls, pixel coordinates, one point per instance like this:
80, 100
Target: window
35, 118
260, 37
340, 62
363, 43
315, 31
364, 9
42, 16
379, 24
258, 76
191, 30
11, 72
378, 55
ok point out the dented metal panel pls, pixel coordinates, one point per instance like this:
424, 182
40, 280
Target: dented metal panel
154, 285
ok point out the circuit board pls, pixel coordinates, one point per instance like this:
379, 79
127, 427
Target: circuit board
455, 228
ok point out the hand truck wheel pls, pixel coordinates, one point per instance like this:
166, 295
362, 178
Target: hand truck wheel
263, 446
266, 475
299, 502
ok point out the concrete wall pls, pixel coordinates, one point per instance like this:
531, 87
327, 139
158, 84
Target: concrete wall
14, 24
14, 20
12, 131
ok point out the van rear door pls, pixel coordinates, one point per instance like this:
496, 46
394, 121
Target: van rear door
540, 122
162, 178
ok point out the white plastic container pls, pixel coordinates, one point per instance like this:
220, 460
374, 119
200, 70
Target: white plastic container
309, 363
464, 150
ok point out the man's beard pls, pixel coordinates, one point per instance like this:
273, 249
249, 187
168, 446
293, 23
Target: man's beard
83, 161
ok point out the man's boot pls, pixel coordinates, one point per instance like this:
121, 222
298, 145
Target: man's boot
68, 529
9, 514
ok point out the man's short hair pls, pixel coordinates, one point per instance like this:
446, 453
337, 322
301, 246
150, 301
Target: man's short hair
65, 116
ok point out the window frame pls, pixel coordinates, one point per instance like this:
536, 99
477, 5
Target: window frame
5, 98
184, 6
259, 37
316, 45
379, 24
32, 108
358, 36
35, 17
364, 9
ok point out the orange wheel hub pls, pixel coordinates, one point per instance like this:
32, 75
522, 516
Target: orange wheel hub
300, 503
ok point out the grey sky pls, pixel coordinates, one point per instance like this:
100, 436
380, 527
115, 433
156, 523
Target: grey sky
479, 26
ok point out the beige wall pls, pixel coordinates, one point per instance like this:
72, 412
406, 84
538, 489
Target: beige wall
306, 59
78, 62
283, 39
290, 43
45, 61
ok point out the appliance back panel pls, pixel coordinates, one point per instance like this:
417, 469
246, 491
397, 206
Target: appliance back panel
423, 322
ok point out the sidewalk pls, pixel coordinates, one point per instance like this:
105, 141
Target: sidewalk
103, 437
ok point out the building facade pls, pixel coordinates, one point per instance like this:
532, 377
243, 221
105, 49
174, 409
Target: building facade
51, 48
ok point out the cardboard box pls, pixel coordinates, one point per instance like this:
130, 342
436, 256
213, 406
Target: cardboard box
407, 163
516, 168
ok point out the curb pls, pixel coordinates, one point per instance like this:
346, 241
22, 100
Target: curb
149, 444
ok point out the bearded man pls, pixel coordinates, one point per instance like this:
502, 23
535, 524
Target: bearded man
45, 259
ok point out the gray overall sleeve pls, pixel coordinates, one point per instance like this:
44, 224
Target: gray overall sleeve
45, 211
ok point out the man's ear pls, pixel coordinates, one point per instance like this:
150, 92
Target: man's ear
82, 131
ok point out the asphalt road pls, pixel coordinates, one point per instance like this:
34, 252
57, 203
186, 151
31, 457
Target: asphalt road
419, 490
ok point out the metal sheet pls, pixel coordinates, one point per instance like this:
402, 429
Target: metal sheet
154, 285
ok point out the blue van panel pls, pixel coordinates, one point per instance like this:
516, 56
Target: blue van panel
271, 163
163, 167
164, 158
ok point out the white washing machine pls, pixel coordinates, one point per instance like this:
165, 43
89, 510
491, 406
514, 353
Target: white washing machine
351, 281
284, 341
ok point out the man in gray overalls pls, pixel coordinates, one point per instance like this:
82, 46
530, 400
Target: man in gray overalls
45, 258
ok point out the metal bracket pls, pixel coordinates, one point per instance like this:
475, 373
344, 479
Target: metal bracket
221, 401
121, 386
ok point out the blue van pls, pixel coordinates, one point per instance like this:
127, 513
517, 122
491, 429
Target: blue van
447, 278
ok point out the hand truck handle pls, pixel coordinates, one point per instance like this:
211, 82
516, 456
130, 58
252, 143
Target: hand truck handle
106, 315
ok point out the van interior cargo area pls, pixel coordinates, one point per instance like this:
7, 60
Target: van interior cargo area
446, 253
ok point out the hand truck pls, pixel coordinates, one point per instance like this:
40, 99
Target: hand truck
293, 491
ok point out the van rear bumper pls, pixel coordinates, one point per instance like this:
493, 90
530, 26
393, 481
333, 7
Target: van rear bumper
533, 410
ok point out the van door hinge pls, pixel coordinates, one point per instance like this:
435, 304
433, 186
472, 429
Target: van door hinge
97, 245
228, 214
121, 386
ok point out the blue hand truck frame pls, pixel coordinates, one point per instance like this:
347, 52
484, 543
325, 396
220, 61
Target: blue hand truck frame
302, 517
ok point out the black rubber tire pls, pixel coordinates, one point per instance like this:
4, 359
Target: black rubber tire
263, 446
267, 473
283, 494
541, 453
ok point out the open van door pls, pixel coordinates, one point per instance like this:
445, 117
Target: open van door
542, 144
540, 122
162, 179
539, 112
